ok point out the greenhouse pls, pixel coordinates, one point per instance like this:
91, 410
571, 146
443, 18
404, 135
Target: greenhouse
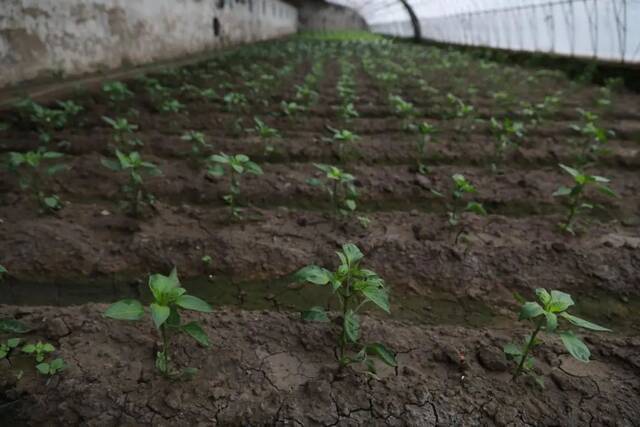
319, 212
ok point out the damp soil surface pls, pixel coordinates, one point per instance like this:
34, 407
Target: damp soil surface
451, 288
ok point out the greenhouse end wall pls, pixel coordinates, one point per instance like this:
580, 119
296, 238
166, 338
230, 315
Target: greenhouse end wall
41, 38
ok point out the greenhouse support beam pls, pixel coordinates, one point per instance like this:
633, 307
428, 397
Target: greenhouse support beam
417, 34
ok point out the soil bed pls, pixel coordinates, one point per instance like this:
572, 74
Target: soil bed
452, 299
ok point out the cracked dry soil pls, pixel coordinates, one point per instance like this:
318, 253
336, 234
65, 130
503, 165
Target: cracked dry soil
267, 368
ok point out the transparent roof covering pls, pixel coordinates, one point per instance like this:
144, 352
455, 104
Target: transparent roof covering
607, 29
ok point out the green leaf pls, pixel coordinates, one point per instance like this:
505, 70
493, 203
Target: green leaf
512, 349
560, 301
43, 368
189, 302
128, 309
570, 171
562, 192
543, 296
13, 342
315, 314
351, 204
12, 326
29, 348
161, 285
377, 294
583, 323
476, 208
197, 333
111, 164
530, 310
606, 190
313, 274
159, 314
383, 353
552, 321
352, 253
351, 326
575, 346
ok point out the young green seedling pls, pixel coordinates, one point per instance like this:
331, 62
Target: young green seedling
46, 120
117, 92
405, 110
457, 205
169, 298
51, 368
427, 133
575, 195
172, 106
265, 133
291, 109
38, 350
546, 314
135, 192
28, 166
347, 111
236, 166
345, 139
8, 346
235, 101
339, 186
464, 113
123, 131
594, 138
353, 286
198, 143
506, 135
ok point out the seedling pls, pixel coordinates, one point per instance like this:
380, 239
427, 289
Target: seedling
506, 134
3, 271
28, 167
123, 131
207, 260
353, 287
265, 133
135, 192
344, 139
339, 186
51, 368
403, 109
593, 137
169, 298
463, 112
426, 132
38, 350
306, 95
457, 205
8, 346
291, 109
235, 101
575, 195
347, 111
198, 143
46, 120
236, 166
117, 92
171, 106
546, 314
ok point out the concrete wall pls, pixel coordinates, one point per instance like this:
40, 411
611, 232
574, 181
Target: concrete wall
320, 16
44, 37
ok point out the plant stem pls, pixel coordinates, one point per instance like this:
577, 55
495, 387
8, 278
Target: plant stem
165, 348
528, 348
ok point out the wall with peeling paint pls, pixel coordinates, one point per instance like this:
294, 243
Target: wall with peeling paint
41, 38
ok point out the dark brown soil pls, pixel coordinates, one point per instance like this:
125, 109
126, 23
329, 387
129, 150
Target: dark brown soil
271, 368
267, 367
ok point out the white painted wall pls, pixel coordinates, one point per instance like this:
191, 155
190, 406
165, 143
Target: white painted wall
40, 37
